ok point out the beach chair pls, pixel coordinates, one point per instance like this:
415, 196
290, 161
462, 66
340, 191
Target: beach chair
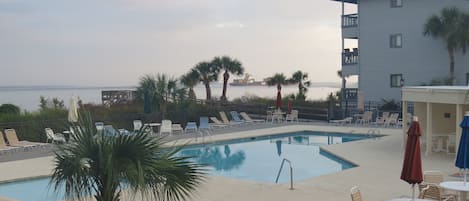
355, 194
4, 148
204, 126
166, 127
293, 116
177, 128
54, 137
247, 118
191, 127
346, 120
236, 118
13, 140
99, 127
225, 119
217, 123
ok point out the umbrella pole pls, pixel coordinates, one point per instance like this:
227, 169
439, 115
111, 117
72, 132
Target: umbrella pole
413, 192
464, 172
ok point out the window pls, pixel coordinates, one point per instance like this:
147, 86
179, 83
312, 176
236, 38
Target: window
396, 80
396, 3
395, 41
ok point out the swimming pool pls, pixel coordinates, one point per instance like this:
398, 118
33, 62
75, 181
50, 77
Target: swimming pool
256, 159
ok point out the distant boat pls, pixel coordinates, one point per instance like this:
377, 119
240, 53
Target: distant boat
247, 81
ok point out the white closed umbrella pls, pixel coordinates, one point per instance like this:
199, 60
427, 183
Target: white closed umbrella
73, 110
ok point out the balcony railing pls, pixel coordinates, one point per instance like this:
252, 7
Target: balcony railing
350, 93
350, 20
350, 57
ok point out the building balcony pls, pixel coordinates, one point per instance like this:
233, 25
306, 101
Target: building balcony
350, 94
350, 26
350, 62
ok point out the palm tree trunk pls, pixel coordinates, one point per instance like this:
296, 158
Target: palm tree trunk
192, 94
226, 76
451, 66
208, 91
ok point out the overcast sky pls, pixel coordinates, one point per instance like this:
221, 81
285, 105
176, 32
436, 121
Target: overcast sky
115, 42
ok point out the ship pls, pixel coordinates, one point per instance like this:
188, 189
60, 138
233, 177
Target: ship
247, 81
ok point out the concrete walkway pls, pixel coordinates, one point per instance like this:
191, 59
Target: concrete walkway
379, 164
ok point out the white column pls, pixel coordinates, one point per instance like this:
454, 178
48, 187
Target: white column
459, 117
404, 123
429, 129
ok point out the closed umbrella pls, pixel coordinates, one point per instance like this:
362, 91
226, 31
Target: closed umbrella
278, 102
412, 166
73, 110
462, 158
289, 106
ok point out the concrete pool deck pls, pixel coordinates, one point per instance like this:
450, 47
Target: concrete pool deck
377, 175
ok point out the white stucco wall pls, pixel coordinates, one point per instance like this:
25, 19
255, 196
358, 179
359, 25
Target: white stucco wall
420, 59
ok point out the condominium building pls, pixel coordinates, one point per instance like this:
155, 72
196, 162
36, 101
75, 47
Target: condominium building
390, 49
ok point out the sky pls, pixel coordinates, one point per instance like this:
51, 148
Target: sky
115, 42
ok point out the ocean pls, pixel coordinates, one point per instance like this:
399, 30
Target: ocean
27, 98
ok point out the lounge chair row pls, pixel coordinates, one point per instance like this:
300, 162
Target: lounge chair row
9, 143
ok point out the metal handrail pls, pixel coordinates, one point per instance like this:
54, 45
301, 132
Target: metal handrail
291, 172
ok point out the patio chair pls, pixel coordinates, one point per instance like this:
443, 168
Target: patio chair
4, 148
225, 119
217, 123
247, 118
365, 118
346, 120
451, 144
433, 177
268, 116
54, 137
392, 120
99, 127
191, 126
432, 191
236, 118
177, 128
204, 126
355, 194
293, 116
137, 125
13, 140
166, 127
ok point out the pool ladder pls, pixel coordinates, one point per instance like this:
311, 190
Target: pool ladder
291, 172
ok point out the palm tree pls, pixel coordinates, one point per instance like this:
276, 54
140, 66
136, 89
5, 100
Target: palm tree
146, 92
449, 26
190, 80
278, 79
300, 78
229, 66
207, 73
104, 166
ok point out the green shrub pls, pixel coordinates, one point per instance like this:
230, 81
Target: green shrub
9, 109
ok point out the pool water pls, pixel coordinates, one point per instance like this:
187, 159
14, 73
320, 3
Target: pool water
256, 159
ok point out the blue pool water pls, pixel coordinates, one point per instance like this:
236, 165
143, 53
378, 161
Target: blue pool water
255, 159
259, 159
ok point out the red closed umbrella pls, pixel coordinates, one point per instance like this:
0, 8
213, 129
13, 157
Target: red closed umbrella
412, 166
289, 106
278, 103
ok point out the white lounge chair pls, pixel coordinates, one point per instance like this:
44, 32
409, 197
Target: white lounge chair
191, 126
54, 137
137, 125
217, 123
247, 118
177, 128
293, 116
166, 127
346, 120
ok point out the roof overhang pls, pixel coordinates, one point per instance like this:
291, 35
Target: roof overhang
348, 1
437, 94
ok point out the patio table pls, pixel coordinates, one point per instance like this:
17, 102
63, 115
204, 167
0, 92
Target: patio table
460, 186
